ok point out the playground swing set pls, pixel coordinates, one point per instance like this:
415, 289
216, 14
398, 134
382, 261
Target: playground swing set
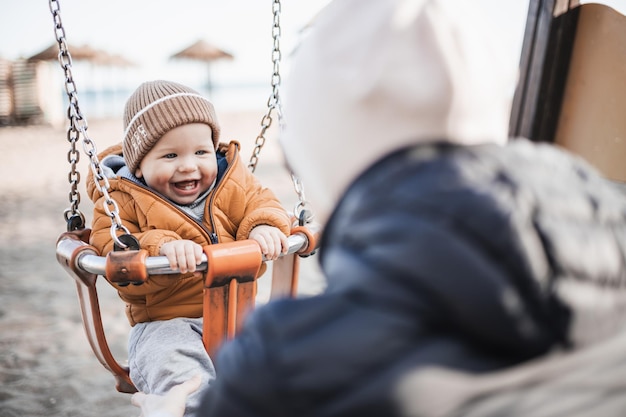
230, 269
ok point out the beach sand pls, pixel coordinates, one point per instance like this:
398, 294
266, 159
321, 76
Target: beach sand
47, 367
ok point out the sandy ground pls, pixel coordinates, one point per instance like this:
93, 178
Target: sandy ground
46, 365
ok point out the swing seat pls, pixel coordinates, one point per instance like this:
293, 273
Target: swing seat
229, 290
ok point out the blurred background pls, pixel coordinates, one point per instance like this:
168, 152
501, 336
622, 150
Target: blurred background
118, 44
222, 49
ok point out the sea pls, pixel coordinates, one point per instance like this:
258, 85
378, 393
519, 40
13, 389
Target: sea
109, 103
102, 92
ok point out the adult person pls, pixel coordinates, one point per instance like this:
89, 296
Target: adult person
445, 244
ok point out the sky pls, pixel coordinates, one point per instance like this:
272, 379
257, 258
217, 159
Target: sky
148, 32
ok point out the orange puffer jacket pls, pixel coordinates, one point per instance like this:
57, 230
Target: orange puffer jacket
236, 205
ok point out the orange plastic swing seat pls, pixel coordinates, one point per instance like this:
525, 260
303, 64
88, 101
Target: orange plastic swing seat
229, 290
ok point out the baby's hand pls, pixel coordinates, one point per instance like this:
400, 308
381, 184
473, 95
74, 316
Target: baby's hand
273, 242
182, 254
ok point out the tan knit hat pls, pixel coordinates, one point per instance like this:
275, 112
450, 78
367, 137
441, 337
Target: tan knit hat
157, 107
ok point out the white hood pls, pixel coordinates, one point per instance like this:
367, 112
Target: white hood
372, 76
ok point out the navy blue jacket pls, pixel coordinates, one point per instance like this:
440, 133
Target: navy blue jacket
465, 257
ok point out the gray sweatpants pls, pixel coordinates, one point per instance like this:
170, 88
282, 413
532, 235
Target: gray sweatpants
165, 353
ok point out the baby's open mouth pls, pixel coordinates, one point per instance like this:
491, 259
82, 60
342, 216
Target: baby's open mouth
186, 185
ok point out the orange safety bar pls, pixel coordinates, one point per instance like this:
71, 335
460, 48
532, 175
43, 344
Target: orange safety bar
229, 289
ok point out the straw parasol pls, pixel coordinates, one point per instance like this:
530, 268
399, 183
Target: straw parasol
82, 52
203, 51
100, 66
112, 60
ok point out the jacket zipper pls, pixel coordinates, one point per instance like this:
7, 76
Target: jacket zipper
213, 236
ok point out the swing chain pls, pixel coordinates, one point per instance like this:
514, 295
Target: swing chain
300, 210
274, 103
78, 127
74, 218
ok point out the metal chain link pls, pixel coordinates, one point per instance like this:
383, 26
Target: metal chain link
77, 128
274, 104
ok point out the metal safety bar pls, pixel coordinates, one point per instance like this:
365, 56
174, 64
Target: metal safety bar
88, 261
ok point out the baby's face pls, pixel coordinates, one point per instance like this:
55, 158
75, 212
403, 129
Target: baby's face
182, 165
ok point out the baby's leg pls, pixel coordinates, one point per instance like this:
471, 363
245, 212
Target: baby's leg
166, 353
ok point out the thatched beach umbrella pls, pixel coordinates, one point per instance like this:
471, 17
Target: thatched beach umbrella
112, 60
103, 82
203, 51
82, 52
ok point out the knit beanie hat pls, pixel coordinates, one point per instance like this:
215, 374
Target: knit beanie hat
157, 107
